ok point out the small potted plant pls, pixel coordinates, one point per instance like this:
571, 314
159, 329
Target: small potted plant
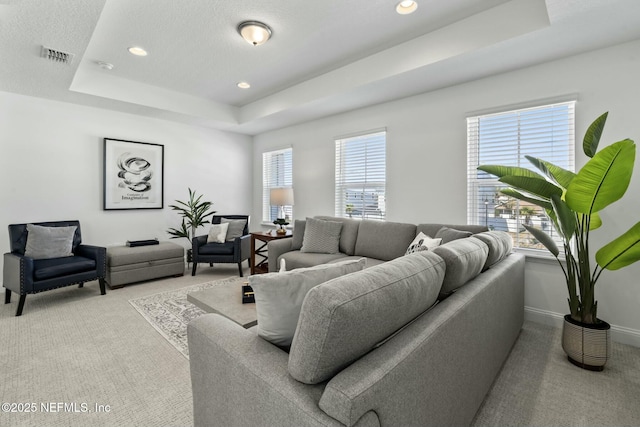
572, 202
194, 213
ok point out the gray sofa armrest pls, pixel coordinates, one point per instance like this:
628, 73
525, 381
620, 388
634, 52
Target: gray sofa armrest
275, 248
441, 365
239, 379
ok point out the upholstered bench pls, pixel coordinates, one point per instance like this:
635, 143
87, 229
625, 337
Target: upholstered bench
134, 264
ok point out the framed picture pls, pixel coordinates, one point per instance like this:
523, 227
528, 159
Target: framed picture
133, 175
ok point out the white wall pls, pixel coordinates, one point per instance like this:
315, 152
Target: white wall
51, 168
426, 161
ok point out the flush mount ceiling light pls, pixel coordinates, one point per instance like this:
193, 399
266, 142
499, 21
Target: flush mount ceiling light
254, 32
137, 51
406, 7
105, 65
244, 85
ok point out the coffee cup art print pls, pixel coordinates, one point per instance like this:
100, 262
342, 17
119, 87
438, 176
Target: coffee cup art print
133, 175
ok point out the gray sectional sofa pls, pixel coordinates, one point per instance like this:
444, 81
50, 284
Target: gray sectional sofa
378, 241
370, 348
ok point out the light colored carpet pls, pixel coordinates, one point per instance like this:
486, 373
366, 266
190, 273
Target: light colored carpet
75, 346
169, 312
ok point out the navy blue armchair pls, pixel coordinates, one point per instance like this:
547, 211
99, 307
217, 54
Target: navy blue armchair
24, 275
233, 251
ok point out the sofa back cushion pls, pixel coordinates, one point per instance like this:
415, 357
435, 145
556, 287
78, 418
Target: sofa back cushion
384, 240
279, 297
343, 319
465, 259
500, 244
348, 235
432, 229
298, 234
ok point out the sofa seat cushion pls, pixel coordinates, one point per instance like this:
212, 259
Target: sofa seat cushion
465, 259
298, 259
384, 240
279, 297
344, 318
225, 248
51, 268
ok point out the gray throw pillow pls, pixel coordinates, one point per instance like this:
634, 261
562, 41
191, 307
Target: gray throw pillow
450, 234
49, 242
321, 237
236, 227
279, 297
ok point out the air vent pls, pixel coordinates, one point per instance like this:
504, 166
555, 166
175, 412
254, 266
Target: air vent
57, 55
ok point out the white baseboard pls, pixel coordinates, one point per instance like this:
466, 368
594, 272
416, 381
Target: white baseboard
618, 333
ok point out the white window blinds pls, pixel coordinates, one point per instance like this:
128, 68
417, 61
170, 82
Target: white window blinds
361, 176
546, 132
277, 172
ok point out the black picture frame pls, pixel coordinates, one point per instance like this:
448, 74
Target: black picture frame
133, 175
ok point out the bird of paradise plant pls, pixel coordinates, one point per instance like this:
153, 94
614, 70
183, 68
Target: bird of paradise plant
573, 202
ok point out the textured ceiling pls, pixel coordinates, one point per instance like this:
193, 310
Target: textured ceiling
325, 57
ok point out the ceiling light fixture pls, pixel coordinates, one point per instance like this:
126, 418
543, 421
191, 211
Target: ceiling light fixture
254, 32
406, 7
105, 65
137, 51
244, 85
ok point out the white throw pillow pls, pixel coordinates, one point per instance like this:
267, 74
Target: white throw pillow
279, 296
49, 242
218, 233
422, 242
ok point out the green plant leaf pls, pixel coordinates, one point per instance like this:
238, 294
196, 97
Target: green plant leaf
604, 179
539, 187
566, 217
593, 134
560, 176
501, 171
623, 251
517, 195
595, 222
544, 238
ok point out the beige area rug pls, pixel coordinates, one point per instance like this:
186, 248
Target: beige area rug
169, 312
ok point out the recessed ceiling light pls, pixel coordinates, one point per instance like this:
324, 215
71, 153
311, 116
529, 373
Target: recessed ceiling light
137, 51
244, 85
406, 7
105, 65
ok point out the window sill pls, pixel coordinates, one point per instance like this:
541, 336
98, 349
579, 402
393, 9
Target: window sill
541, 257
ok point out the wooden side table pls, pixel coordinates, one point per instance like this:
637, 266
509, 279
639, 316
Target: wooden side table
264, 238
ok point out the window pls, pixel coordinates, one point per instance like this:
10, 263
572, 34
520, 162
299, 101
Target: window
361, 176
546, 132
277, 172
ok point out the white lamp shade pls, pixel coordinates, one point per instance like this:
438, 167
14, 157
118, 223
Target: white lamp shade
281, 197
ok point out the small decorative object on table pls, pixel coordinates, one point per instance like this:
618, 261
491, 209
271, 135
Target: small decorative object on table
281, 222
247, 294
